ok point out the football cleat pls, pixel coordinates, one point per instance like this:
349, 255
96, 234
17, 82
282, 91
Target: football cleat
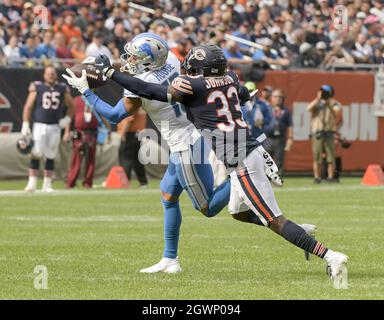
47, 185
166, 265
311, 229
30, 188
31, 185
337, 270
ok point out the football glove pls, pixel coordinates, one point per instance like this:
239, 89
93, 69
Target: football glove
26, 129
105, 64
80, 84
270, 167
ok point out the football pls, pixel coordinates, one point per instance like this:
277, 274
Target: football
94, 75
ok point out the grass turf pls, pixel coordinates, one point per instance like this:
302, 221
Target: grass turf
93, 242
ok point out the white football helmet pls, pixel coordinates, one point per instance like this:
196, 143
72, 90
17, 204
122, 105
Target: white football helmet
146, 51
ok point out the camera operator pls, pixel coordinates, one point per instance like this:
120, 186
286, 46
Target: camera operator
325, 114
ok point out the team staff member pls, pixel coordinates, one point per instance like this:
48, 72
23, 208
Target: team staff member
44, 106
84, 144
281, 137
129, 129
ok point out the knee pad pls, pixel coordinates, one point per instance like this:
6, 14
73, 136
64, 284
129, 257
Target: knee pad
49, 164
34, 164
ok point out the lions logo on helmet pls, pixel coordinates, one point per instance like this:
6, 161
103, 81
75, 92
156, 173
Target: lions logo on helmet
146, 51
24, 145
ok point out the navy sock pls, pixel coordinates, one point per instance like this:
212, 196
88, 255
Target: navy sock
49, 164
219, 198
34, 164
172, 222
297, 236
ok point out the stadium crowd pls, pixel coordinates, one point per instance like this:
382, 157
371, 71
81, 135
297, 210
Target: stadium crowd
290, 33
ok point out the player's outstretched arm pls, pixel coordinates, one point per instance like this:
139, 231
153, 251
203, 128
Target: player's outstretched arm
151, 91
112, 114
137, 86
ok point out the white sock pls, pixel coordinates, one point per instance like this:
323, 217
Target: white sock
32, 181
47, 182
328, 256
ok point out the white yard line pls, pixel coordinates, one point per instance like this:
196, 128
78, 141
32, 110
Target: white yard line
119, 218
92, 192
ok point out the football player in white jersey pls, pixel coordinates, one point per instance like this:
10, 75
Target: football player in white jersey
148, 58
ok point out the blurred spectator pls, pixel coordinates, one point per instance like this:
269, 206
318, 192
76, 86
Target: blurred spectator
62, 51
243, 33
12, 50
363, 50
29, 49
77, 47
310, 57
96, 47
378, 56
129, 129
117, 16
187, 10
281, 137
46, 49
119, 36
338, 56
82, 18
325, 114
250, 14
180, 49
100, 27
69, 28
268, 58
234, 56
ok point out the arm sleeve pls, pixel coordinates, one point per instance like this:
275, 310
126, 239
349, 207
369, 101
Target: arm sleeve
151, 91
112, 114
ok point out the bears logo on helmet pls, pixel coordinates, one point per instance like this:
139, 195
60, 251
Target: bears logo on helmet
24, 145
206, 60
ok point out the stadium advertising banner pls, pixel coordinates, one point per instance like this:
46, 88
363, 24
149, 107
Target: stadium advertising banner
355, 91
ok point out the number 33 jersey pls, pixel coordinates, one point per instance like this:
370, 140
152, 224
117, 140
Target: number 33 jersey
49, 102
212, 104
168, 118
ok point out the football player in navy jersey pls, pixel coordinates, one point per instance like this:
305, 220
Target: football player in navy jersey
44, 107
210, 94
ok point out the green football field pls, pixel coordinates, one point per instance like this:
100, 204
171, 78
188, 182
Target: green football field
94, 242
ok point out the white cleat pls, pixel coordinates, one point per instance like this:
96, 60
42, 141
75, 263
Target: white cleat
337, 270
166, 265
47, 185
30, 188
310, 229
32, 184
